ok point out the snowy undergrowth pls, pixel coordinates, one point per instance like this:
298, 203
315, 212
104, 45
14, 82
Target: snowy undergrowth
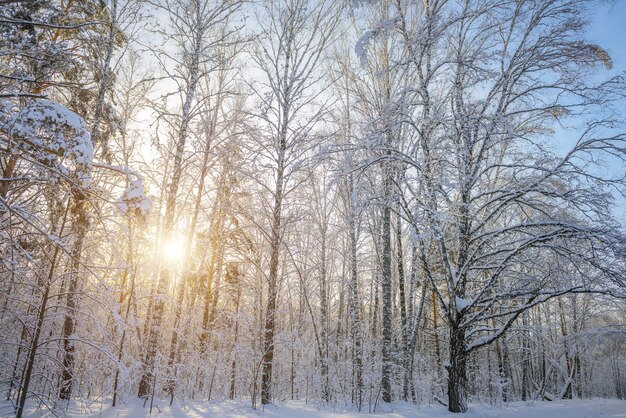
594, 408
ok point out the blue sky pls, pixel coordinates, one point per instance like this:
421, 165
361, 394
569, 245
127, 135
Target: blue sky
608, 29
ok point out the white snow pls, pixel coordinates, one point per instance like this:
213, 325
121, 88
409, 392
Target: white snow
591, 408
462, 303
49, 128
134, 199
480, 341
362, 43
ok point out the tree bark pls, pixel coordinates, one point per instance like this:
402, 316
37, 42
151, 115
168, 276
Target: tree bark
355, 322
386, 301
30, 361
324, 323
270, 312
80, 223
457, 378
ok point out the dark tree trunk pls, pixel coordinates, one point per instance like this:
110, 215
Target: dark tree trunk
386, 302
457, 368
147, 376
324, 324
435, 329
34, 344
80, 224
567, 392
268, 348
355, 322
233, 365
268, 335
525, 359
30, 361
401, 290
403, 310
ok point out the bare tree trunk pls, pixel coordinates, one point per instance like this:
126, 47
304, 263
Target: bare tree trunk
79, 210
403, 310
435, 330
567, 391
414, 330
355, 321
402, 293
170, 209
387, 329
79, 224
502, 370
324, 322
34, 344
233, 365
182, 287
457, 378
525, 358
120, 350
297, 34
270, 311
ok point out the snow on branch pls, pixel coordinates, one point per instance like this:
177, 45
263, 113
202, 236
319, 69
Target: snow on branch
364, 41
51, 132
134, 200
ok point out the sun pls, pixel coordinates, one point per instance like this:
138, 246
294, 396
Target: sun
173, 250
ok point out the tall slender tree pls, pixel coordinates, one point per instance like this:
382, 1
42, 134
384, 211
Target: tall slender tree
294, 36
194, 25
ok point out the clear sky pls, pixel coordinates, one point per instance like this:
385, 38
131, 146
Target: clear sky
608, 29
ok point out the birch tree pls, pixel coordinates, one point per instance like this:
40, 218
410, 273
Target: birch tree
498, 197
294, 37
194, 26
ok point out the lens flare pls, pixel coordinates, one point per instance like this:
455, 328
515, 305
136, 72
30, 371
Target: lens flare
173, 250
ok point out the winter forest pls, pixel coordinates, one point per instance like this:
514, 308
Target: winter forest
351, 203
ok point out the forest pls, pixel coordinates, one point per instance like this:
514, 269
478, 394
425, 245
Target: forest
346, 202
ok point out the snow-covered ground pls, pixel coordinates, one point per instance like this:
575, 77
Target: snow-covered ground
595, 408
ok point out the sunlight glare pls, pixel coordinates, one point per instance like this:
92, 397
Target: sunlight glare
173, 250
